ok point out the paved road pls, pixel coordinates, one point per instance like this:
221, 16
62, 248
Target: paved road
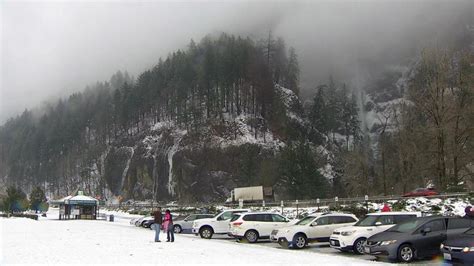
325, 249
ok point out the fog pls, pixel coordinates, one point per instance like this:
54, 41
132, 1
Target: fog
50, 49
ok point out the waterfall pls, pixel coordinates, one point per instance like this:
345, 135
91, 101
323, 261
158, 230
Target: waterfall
171, 153
360, 94
125, 170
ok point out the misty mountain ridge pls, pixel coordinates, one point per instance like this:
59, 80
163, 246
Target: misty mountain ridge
221, 114
144, 138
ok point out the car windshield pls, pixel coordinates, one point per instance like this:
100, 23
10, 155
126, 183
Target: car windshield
369, 220
469, 232
406, 227
306, 220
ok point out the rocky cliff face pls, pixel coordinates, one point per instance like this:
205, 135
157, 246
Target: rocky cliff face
167, 162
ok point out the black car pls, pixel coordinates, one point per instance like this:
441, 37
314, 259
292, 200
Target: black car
460, 249
416, 238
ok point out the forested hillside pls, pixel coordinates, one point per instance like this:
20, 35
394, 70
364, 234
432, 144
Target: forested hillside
225, 112
134, 138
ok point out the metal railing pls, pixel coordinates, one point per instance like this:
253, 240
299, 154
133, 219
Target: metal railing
285, 203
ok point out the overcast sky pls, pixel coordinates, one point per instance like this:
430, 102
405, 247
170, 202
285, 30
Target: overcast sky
50, 49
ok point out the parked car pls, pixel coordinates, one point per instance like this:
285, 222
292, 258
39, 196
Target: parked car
218, 224
148, 221
186, 225
352, 238
421, 192
415, 238
253, 226
311, 229
460, 249
139, 221
134, 220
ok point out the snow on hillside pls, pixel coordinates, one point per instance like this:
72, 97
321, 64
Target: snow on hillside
450, 206
289, 98
244, 134
239, 128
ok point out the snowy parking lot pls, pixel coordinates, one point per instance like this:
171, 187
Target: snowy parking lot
50, 241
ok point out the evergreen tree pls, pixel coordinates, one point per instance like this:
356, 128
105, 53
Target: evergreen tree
293, 72
300, 174
37, 199
15, 201
319, 113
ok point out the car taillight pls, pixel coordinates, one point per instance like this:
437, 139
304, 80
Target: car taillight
236, 223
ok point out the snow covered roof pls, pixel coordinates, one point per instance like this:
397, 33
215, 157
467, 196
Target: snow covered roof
79, 199
60, 201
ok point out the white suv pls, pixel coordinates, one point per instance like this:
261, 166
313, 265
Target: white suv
313, 228
253, 226
354, 237
219, 224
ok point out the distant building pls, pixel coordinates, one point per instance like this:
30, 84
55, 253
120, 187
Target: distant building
77, 207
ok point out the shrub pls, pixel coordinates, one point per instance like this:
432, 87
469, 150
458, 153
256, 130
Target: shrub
399, 205
15, 201
435, 208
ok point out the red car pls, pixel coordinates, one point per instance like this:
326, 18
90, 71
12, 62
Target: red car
421, 192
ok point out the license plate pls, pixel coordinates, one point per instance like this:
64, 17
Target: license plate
367, 250
447, 256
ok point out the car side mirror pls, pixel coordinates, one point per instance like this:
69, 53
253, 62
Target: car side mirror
426, 231
314, 223
378, 223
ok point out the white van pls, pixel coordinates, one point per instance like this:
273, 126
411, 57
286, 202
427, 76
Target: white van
352, 238
313, 228
219, 224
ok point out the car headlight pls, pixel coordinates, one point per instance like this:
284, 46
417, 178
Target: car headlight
468, 249
388, 242
347, 233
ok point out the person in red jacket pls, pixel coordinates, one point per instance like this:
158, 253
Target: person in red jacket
386, 208
168, 225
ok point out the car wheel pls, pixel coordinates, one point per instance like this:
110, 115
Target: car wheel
358, 246
299, 241
142, 224
177, 229
406, 253
206, 232
251, 236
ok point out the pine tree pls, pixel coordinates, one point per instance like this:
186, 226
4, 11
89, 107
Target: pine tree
37, 199
293, 72
15, 201
300, 174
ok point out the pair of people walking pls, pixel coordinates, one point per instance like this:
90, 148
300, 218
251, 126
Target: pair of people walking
166, 223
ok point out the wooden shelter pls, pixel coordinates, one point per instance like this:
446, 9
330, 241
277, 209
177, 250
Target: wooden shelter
78, 207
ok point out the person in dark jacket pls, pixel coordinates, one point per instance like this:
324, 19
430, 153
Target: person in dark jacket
469, 212
158, 219
168, 225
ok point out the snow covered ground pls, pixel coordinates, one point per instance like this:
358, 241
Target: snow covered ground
50, 241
